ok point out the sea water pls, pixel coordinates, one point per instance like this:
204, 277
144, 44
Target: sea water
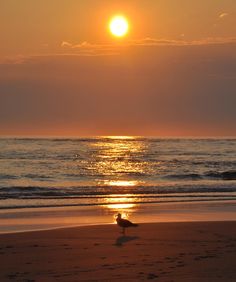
115, 171
48, 183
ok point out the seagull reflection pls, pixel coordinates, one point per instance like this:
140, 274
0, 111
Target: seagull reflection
120, 241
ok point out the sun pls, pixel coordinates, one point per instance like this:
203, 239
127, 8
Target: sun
119, 26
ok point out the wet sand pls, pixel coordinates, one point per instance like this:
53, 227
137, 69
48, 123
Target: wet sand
45, 218
196, 251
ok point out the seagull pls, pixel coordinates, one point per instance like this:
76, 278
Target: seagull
124, 223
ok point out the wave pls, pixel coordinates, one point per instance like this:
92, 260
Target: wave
106, 191
192, 176
7, 177
226, 175
66, 204
211, 175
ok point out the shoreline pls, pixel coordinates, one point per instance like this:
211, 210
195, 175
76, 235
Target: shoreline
226, 199
195, 251
33, 219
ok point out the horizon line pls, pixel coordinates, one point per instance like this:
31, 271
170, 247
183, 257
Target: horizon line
117, 136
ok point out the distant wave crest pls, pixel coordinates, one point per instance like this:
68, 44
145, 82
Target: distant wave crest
226, 175
106, 191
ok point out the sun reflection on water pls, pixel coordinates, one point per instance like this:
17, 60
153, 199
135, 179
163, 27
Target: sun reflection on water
120, 157
124, 183
119, 164
120, 202
123, 204
120, 137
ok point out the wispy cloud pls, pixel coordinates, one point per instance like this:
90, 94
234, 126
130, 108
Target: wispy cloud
83, 49
223, 15
13, 60
91, 49
66, 44
182, 42
148, 41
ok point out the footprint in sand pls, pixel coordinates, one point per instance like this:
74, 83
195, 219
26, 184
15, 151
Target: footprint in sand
152, 276
180, 265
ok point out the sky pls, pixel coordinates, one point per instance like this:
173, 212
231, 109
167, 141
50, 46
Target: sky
62, 73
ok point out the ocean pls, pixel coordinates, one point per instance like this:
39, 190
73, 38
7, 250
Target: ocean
115, 172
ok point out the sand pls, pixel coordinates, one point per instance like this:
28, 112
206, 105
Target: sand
196, 251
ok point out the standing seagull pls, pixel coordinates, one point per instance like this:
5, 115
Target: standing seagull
124, 223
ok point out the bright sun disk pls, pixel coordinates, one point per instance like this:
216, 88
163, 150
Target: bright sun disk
119, 26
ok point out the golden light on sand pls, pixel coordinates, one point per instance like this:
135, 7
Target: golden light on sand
119, 26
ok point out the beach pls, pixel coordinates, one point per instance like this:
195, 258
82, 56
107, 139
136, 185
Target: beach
180, 251
59, 199
118, 141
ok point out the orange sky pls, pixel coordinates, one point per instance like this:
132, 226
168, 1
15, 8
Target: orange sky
63, 73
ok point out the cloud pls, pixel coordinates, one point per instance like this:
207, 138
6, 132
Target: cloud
149, 41
223, 15
213, 41
65, 44
13, 60
85, 45
68, 49
168, 42
90, 49
21, 59
162, 90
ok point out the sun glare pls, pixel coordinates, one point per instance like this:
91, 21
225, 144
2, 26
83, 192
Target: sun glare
119, 26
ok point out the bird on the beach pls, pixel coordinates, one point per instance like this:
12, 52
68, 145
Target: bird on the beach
124, 223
